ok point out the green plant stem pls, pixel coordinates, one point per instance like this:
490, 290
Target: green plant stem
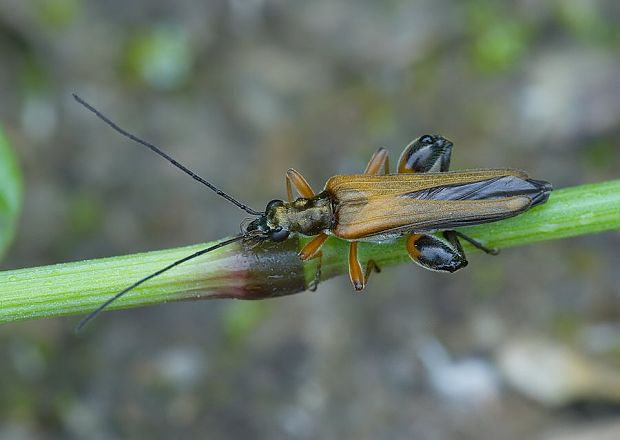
272, 269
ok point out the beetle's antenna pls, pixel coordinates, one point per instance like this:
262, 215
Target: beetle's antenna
155, 149
99, 309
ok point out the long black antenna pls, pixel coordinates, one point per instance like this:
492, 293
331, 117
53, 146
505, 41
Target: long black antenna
99, 309
155, 149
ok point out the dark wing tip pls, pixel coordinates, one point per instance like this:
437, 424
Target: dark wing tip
542, 195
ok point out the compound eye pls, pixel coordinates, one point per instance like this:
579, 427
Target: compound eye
279, 234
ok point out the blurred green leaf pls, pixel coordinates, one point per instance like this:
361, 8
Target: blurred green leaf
10, 192
498, 40
160, 57
58, 13
241, 319
585, 20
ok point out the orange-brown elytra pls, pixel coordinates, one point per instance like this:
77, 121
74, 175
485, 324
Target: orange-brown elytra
423, 201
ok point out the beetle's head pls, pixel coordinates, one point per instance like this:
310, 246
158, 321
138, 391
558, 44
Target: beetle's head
267, 226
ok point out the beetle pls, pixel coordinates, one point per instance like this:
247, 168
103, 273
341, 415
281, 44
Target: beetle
423, 201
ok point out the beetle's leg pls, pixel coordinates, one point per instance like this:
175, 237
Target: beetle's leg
312, 248
454, 241
317, 274
355, 268
434, 253
475, 243
370, 267
359, 278
293, 178
378, 160
428, 153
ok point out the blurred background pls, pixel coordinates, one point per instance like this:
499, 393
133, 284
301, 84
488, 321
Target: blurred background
525, 345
